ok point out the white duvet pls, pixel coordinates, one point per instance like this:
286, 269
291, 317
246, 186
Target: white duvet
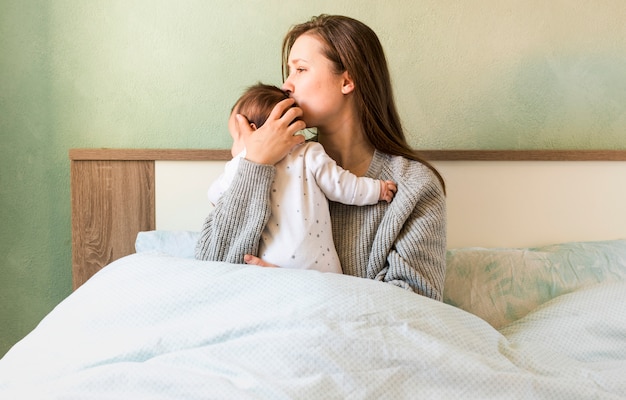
155, 327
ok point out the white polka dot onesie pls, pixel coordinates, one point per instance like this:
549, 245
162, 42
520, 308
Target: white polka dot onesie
299, 233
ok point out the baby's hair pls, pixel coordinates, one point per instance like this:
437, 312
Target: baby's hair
257, 102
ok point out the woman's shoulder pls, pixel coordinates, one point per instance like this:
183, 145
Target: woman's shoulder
403, 167
415, 176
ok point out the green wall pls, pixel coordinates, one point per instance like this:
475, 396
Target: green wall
492, 74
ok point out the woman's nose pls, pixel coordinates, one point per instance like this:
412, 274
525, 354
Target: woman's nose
287, 87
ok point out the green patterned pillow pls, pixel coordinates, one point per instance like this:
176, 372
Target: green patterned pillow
503, 285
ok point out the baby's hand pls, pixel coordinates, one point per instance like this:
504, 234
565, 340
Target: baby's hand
387, 190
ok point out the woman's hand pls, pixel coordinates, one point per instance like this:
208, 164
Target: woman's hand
274, 140
252, 260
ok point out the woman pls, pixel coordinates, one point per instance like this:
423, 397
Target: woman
336, 72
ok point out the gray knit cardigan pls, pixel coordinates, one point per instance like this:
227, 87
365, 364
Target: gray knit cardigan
403, 242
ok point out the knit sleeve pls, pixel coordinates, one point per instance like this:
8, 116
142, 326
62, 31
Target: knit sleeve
233, 229
417, 258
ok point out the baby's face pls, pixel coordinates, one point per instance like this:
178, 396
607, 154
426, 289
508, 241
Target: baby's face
233, 128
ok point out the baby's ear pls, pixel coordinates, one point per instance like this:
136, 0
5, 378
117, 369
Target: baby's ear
253, 126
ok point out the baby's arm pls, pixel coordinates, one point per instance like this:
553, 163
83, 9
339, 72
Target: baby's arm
387, 190
341, 185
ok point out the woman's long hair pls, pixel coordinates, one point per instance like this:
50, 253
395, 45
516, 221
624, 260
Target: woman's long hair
352, 46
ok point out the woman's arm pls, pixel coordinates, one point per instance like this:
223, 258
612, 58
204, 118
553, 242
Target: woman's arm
417, 258
233, 229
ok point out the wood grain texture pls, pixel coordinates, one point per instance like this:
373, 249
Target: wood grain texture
434, 155
111, 202
150, 154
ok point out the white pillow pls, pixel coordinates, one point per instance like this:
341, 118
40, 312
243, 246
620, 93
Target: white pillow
172, 243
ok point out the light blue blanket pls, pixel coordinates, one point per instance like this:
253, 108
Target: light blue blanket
155, 327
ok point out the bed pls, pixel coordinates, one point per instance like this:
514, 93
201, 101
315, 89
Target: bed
533, 300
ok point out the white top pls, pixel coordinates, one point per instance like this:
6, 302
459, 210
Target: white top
298, 233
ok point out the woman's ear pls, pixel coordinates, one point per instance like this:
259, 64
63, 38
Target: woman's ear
347, 85
253, 126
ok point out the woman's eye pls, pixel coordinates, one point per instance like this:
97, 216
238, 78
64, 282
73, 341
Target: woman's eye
296, 71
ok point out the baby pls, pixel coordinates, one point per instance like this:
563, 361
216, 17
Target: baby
298, 233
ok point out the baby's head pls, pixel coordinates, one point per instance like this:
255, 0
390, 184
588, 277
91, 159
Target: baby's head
256, 104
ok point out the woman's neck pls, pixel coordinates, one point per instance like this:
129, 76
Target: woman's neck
351, 150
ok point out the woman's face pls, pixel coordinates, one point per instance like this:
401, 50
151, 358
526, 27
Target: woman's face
312, 82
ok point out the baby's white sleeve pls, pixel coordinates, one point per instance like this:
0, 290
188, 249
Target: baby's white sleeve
222, 183
338, 184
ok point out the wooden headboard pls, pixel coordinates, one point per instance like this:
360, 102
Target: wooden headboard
495, 198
